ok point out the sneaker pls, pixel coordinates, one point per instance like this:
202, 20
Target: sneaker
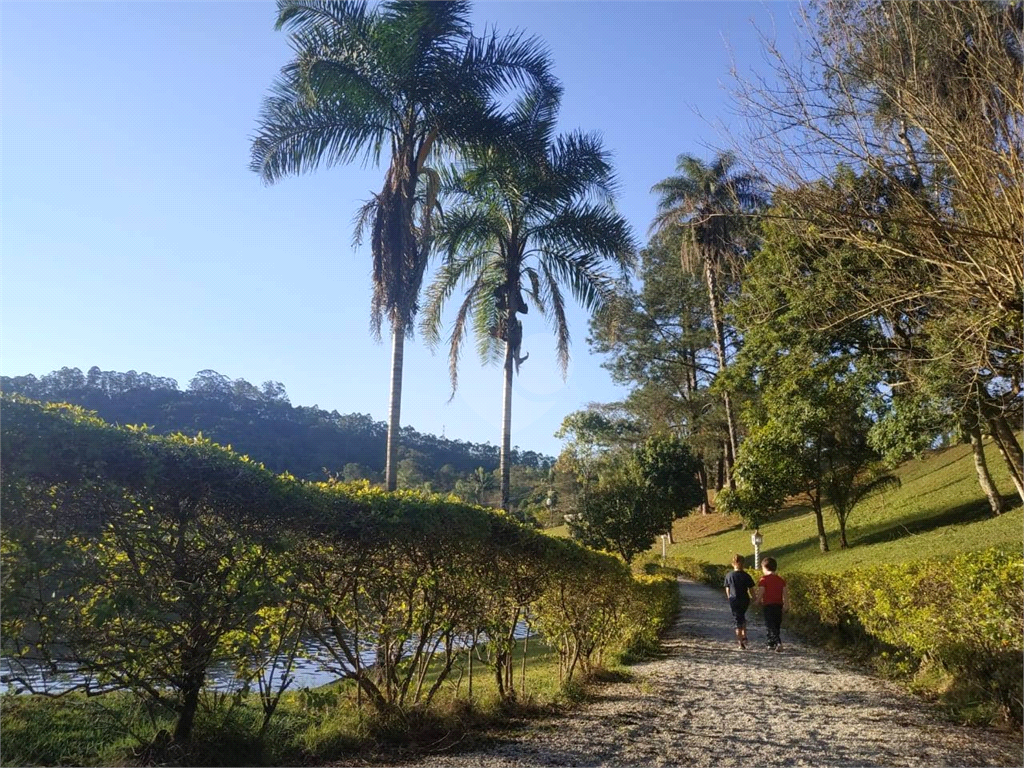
743, 644
770, 647
778, 648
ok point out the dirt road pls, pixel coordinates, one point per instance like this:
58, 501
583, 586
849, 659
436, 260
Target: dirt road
708, 703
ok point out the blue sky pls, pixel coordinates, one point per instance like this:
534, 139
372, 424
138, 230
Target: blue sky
134, 236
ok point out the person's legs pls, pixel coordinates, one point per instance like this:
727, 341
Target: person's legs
739, 614
773, 624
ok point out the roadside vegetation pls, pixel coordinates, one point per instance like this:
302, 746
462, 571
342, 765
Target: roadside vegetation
310, 727
147, 561
928, 592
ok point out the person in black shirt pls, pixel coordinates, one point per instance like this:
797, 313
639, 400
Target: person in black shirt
737, 588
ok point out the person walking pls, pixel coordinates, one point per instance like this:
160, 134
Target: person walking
773, 596
738, 586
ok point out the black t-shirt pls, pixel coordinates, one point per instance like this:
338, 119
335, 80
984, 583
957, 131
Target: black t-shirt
739, 584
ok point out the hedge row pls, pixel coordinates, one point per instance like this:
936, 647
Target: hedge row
147, 560
962, 614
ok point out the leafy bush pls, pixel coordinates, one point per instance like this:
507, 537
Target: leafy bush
698, 570
648, 615
961, 614
147, 559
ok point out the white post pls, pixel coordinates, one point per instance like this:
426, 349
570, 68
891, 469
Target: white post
756, 539
663, 538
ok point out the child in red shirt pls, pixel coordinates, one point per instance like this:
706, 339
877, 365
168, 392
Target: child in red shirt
774, 598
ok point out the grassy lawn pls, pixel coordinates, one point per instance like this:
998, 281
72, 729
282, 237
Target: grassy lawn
939, 511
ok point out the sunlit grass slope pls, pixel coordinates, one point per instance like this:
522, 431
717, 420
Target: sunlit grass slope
940, 510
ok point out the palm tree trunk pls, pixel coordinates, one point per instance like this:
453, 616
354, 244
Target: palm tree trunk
995, 501
716, 321
395, 411
506, 426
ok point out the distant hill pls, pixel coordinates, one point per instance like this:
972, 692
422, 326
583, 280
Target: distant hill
262, 423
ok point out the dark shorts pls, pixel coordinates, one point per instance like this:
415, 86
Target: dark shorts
739, 611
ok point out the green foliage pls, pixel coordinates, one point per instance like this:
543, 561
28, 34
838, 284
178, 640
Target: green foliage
962, 613
261, 423
147, 559
655, 605
583, 611
620, 515
668, 471
767, 471
658, 341
636, 496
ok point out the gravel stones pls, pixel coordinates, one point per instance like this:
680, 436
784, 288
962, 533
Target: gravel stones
710, 703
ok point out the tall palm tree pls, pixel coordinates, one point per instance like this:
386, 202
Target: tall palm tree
528, 223
409, 77
711, 203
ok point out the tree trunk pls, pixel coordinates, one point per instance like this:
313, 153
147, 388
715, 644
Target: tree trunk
995, 501
730, 458
720, 479
702, 478
842, 533
1010, 450
395, 411
187, 713
716, 321
472, 652
506, 426
820, 520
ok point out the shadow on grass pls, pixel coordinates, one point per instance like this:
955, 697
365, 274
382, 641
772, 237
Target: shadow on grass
962, 514
719, 532
932, 470
891, 530
791, 511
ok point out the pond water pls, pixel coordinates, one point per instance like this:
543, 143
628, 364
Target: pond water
310, 670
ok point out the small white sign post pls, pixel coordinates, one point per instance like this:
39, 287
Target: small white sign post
756, 539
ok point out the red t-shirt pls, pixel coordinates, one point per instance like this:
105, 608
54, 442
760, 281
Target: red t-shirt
773, 586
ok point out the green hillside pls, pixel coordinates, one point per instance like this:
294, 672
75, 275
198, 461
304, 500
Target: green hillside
939, 511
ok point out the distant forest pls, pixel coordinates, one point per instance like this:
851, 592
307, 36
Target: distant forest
311, 443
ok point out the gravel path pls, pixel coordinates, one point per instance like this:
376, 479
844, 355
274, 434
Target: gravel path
708, 703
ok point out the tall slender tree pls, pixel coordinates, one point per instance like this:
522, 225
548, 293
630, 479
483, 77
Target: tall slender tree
711, 202
520, 224
406, 77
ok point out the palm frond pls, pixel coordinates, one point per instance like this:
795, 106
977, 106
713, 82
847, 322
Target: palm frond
581, 167
534, 291
467, 228
559, 322
363, 220
294, 138
307, 14
499, 64
486, 316
595, 230
455, 270
459, 329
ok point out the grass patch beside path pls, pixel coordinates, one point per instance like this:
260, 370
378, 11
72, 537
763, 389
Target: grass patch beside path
939, 511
